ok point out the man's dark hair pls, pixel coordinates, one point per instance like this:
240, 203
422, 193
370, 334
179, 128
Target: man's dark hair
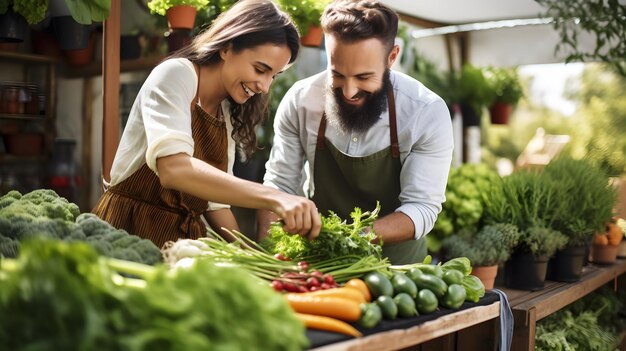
355, 20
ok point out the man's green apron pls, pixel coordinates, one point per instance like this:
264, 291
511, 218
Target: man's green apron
343, 182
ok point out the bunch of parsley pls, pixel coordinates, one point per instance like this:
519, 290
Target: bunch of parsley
337, 238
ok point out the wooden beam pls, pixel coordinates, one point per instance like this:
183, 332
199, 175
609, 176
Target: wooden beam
419, 21
110, 88
86, 154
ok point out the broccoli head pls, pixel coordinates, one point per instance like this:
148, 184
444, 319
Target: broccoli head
125, 253
9, 198
149, 252
92, 225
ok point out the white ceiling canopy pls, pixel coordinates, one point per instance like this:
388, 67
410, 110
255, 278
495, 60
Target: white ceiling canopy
467, 11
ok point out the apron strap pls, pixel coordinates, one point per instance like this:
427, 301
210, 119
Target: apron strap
393, 132
321, 133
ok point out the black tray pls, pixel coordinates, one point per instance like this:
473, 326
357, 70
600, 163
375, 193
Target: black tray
320, 338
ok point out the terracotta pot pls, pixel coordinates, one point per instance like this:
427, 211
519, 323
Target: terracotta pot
313, 37
621, 249
500, 112
486, 274
24, 144
84, 56
603, 254
181, 17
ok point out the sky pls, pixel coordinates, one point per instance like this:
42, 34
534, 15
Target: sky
548, 84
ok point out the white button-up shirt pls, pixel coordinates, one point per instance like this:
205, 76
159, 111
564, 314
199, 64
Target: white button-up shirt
424, 137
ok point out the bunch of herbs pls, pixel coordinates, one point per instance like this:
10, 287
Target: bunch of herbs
337, 238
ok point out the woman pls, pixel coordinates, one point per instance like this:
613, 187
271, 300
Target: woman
175, 149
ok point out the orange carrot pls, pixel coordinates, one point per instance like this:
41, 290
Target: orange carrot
360, 285
335, 307
327, 324
346, 293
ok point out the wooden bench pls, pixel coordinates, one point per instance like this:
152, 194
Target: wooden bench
529, 307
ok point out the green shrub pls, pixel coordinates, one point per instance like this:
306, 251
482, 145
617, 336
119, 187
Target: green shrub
586, 198
161, 6
465, 198
532, 202
491, 245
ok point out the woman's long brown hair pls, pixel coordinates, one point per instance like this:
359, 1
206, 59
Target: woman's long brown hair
249, 23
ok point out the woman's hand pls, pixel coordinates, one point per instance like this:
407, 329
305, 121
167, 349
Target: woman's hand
299, 215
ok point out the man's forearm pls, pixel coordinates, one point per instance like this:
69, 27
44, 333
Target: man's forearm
395, 227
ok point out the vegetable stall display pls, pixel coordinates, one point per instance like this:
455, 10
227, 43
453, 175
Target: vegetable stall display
42, 213
63, 296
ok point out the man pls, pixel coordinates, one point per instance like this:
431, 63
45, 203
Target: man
368, 133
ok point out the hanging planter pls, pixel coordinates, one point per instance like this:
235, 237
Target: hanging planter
70, 34
470, 117
500, 112
180, 14
80, 57
13, 27
313, 37
181, 17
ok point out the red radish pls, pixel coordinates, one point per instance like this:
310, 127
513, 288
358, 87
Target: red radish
277, 285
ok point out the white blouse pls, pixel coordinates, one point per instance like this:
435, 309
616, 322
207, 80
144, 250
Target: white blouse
159, 123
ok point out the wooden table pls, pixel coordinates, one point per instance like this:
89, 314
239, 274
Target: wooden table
529, 307
404, 338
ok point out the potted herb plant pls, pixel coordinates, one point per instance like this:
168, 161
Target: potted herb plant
473, 93
486, 249
586, 201
15, 16
181, 14
506, 93
306, 15
527, 200
72, 21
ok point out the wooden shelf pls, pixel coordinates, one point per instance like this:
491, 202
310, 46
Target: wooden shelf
41, 118
95, 68
529, 307
10, 158
21, 57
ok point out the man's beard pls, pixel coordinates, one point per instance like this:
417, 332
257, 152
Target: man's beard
351, 118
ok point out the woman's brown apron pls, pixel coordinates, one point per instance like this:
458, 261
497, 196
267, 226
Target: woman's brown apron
141, 206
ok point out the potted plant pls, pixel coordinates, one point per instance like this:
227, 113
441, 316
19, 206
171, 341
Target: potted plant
72, 22
606, 244
506, 93
306, 15
527, 200
15, 16
473, 93
181, 14
586, 201
486, 249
